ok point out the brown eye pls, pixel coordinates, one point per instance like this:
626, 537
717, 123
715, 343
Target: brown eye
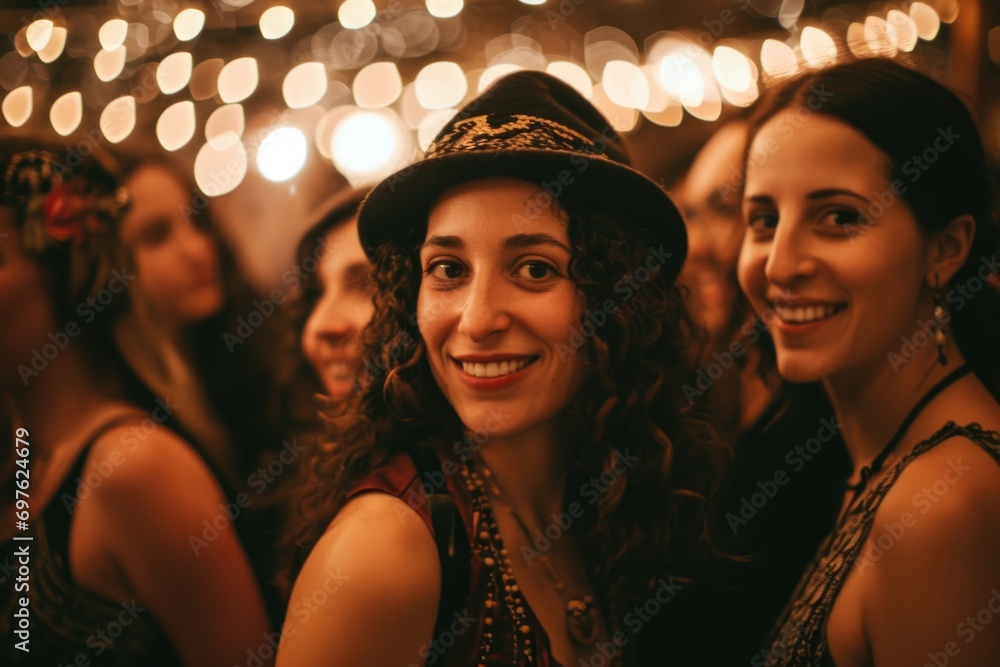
445, 270
535, 270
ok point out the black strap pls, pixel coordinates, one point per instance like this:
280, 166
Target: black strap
450, 536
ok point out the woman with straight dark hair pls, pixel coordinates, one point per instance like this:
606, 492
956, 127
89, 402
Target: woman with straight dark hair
871, 253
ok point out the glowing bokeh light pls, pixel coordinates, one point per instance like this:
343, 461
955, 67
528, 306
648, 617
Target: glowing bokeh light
238, 80
55, 46
355, 14
112, 34
188, 24
789, 13
304, 85
66, 113
732, 69
625, 84
276, 22
220, 166
176, 125
441, 85
572, 74
226, 121
174, 72
444, 9
377, 85
118, 119
365, 143
39, 33
17, 106
282, 154
109, 64
622, 118
323, 134
926, 19
431, 125
680, 76
903, 28
778, 59
879, 37
818, 48
856, 41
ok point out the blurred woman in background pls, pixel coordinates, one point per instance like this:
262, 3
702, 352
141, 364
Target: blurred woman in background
115, 495
195, 328
333, 306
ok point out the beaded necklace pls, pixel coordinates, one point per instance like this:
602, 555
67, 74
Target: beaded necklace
501, 572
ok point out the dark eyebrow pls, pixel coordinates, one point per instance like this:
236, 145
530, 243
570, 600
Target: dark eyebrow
528, 240
442, 242
759, 199
833, 192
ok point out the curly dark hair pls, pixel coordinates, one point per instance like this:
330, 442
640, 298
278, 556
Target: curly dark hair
646, 524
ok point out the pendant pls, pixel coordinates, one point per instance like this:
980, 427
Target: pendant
582, 621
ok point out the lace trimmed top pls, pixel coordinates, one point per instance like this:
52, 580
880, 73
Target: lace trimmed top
800, 635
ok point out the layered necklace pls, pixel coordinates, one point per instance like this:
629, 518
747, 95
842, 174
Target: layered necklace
583, 620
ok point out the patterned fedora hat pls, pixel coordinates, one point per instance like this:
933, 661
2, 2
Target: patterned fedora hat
531, 126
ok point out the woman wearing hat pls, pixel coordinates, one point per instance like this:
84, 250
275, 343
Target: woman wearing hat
532, 348
128, 558
876, 276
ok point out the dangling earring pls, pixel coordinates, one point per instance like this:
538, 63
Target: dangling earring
939, 315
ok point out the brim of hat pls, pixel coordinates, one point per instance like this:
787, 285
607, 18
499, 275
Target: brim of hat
396, 209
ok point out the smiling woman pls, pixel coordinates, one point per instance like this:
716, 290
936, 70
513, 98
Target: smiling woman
545, 393
850, 253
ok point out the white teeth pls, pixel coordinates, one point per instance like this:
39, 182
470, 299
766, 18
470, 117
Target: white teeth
804, 313
494, 368
339, 370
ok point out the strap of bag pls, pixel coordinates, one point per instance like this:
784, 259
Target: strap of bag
450, 536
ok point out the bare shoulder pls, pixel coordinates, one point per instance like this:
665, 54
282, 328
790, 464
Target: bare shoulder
126, 462
374, 574
933, 558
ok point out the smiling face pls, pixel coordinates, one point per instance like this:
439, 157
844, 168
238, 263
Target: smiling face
842, 271
176, 261
496, 307
343, 308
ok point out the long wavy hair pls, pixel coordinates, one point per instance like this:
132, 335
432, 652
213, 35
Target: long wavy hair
644, 525
239, 380
902, 111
